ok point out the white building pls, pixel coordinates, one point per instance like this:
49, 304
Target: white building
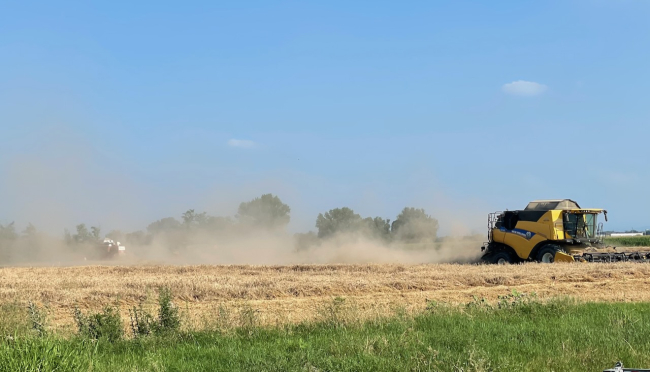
626, 234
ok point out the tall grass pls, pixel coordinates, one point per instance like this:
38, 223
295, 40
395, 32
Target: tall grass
517, 332
13, 320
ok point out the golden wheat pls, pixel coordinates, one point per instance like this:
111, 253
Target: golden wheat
283, 294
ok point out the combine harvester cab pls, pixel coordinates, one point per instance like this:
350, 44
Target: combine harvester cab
550, 231
110, 249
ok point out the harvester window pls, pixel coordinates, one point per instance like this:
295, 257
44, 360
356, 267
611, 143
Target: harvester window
579, 225
510, 220
590, 227
571, 224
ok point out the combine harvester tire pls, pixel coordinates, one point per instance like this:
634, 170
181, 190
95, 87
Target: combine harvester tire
502, 258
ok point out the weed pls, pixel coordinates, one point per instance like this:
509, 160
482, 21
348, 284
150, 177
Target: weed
104, 325
248, 322
432, 305
142, 323
478, 304
224, 321
168, 318
623, 319
37, 318
334, 313
473, 361
516, 299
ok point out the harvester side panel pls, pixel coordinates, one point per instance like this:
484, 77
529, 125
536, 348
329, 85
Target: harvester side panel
531, 229
522, 241
557, 225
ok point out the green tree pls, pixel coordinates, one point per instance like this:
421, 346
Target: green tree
168, 232
414, 224
217, 223
336, 221
164, 225
138, 238
30, 230
377, 227
82, 235
30, 242
67, 237
8, 237
95, 232
8, 232
267, 211
193, 219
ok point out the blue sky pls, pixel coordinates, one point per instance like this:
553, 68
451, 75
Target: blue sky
125, 112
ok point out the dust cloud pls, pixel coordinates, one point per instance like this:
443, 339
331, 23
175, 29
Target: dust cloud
276, 249
60, 181
240, 246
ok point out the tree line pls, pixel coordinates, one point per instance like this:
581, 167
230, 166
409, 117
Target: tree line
264, 213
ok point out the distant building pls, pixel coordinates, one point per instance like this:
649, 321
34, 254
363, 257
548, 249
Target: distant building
617, 234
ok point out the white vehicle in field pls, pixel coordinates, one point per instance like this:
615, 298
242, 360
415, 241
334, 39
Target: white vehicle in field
110, 248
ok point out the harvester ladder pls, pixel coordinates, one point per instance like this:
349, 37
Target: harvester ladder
492, 220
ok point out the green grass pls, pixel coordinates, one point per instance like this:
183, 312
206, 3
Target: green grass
516, 335
629, 241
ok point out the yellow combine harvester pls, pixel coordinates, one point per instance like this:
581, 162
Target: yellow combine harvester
549, 231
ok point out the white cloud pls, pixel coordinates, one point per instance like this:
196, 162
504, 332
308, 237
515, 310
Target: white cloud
524, 88
244, 144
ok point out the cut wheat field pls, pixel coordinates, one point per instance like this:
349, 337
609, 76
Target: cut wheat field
292, 294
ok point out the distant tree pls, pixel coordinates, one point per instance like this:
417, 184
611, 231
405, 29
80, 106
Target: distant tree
377, 227
29, 244
137, 238
414, 224
305, 241
30, 230
193, 219
336, 221
217, 223
67, 237
8, 237
171, 233
95, 232
8, 232
82, 235
164, 225
267, 211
